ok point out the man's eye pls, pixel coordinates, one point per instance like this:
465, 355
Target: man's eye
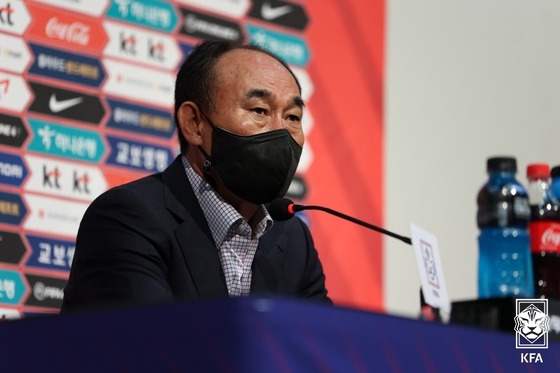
294, 118
259, 110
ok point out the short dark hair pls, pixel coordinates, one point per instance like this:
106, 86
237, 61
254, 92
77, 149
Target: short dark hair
197, 80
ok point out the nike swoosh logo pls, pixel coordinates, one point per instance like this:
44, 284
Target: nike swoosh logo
57, 106
269, 13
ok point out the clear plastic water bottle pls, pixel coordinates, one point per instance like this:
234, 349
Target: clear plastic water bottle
555, 184
545, 232
504, 264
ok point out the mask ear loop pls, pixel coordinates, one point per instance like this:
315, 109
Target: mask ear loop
207, 167
208, 160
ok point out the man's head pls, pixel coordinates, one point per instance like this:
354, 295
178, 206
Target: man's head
238, 111
200, 77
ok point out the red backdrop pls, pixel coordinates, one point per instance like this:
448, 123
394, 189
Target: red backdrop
347, 70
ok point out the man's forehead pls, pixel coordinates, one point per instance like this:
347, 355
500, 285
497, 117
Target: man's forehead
253, 70
243, 54
247, 61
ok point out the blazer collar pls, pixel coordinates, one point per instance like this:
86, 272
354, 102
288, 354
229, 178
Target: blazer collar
193, 234
268, 265
200, 252
178, 195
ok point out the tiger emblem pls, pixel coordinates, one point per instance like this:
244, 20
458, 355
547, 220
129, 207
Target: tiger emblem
532, 323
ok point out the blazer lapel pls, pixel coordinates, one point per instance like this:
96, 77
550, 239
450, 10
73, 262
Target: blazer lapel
268, 265
193, 234
201, 257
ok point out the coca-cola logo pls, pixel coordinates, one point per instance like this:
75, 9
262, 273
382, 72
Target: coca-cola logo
75, 32
551, 237
64, 27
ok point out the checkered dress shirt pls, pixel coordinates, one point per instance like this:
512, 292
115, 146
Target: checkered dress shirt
235, 238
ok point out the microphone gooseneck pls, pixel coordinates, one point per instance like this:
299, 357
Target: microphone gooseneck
283, 209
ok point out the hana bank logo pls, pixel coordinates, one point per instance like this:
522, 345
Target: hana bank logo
155, 14
290, 48
63, 141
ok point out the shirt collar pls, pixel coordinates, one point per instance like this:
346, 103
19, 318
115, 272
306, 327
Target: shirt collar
220, 215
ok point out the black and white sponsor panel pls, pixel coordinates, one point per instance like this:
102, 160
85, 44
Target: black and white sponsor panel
12, 248
278, 12
46, 292
66, 103
12, 131
206, 27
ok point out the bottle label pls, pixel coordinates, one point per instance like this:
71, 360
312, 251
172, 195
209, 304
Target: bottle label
497, 210
521, 207
545, 236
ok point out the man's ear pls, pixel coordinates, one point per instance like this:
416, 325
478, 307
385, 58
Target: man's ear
190, 122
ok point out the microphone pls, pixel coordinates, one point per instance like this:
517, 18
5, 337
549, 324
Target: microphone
283, 209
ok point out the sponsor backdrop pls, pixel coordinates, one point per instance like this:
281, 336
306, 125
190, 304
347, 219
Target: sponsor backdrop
86, 96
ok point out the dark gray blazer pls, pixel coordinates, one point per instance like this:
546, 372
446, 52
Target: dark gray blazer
148, 242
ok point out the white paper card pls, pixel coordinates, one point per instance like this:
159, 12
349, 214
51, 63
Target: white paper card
430, 269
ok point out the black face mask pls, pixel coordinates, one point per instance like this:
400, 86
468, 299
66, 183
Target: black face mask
257, 168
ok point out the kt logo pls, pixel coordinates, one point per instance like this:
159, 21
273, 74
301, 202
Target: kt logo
6, 15
51, 178
81, 183
156, 50
128, 44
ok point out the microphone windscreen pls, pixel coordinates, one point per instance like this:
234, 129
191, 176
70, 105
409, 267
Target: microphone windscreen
278, 209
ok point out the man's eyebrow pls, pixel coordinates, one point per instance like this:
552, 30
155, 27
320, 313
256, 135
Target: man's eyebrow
299, 102
264, 93
260, 93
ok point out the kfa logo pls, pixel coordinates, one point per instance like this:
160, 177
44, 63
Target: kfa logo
531, 327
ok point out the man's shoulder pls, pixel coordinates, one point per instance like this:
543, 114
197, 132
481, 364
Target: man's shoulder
143, 183
132, 192
147, 184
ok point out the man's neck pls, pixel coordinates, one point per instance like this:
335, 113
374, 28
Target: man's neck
245, 209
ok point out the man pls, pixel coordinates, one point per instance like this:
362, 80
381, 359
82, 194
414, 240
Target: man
200, 229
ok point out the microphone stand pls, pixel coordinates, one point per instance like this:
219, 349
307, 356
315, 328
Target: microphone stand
354, 220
